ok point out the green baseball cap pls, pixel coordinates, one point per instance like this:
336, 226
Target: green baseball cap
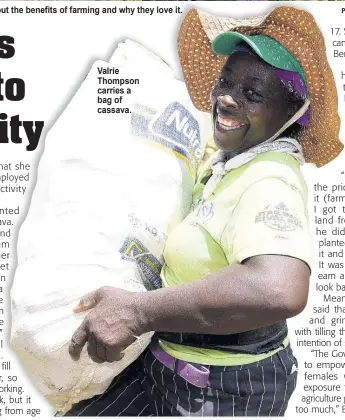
267, 48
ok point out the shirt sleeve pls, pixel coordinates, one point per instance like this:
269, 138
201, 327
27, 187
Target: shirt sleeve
271, 217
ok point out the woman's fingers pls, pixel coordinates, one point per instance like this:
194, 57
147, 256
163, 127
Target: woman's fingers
101, 351
78, 341
97, 350
88, 301
113, 355
106, 333
92, 347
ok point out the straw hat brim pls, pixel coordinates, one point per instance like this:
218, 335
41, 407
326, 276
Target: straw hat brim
298, 32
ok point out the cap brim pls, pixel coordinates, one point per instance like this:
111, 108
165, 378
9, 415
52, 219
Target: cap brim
225, 43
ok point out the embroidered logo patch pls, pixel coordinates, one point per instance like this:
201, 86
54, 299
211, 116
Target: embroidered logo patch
279, 217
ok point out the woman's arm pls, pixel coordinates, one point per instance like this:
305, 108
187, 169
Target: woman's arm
262, 291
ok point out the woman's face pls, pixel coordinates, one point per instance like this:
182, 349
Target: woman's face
249, 103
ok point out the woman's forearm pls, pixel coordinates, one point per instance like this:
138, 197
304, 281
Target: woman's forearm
265, 290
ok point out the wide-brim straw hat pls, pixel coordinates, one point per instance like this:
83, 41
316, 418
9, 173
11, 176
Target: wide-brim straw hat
298, 32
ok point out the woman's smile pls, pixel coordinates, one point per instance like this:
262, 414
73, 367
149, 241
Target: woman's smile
227, 117
226, 114
228, 124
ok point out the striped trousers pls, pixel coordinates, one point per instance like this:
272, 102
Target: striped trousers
148, 388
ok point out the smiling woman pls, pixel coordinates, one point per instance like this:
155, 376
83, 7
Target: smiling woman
250, 103
239, 264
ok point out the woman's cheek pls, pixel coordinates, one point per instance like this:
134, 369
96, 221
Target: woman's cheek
257, 126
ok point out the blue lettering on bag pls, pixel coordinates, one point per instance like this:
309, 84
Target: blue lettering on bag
177, 125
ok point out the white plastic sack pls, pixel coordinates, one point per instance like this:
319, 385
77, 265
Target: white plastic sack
109, 189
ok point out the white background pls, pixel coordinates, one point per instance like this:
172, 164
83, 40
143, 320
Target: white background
54, 53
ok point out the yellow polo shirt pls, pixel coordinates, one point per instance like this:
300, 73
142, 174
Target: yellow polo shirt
258, 208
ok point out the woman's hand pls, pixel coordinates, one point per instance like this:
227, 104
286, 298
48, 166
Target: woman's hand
111, 326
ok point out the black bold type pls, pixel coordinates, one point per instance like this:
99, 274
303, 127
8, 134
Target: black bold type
7, 49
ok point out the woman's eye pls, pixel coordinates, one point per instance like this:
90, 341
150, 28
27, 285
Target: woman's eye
252, 95
250, 92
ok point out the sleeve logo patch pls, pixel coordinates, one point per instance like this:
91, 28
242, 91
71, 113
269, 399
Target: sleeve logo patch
279, 217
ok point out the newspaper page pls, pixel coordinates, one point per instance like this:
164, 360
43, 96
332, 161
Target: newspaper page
106, 102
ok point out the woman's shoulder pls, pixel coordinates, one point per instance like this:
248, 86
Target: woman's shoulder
273, 165
263, 167
276, 165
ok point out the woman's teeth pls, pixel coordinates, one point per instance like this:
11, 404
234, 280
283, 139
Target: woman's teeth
228, 123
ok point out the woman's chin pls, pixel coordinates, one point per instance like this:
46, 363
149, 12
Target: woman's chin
229, 140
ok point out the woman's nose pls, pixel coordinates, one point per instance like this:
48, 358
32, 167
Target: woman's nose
227, 101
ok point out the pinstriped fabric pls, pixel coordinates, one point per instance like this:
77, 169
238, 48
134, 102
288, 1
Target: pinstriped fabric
113, 402
123, 412
275, 386
80, 413
251, 393
286, 384
148, 388
141, 412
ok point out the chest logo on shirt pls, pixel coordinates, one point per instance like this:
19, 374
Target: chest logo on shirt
279, 217
204, 211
